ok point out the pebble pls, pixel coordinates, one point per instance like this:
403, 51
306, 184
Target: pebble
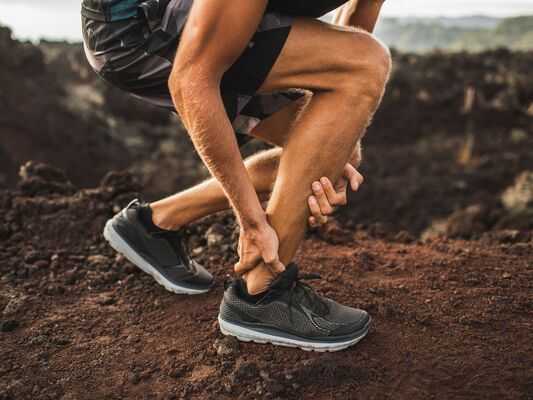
41, 264
215, 235
227, 346
14, 305
97, 259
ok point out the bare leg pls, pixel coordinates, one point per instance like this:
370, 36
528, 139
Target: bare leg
208, 197
347, 90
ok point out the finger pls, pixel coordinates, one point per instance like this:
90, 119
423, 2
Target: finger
336, 197
276, 267
323, 202
245, 265
353, 176
315, 210
330, 192
312, 222
271, 260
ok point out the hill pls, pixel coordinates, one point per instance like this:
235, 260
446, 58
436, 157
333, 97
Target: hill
456, 34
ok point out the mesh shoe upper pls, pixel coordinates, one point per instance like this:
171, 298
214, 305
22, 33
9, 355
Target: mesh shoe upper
293, 307
164, 250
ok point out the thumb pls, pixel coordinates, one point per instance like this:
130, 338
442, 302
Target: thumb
247, 265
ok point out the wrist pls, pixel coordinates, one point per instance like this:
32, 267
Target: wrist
254, 220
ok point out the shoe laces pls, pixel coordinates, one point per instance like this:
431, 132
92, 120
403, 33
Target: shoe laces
293, 282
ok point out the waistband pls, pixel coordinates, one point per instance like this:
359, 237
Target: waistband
151, 10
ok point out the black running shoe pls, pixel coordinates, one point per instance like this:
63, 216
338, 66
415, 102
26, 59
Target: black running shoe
157, 252
291, 314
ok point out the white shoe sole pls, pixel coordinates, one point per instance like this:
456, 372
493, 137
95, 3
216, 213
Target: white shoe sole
249, 335
124, 248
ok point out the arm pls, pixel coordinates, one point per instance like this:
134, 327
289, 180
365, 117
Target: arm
359, 13
216, 33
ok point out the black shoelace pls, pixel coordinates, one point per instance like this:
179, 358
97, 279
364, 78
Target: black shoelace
298, 289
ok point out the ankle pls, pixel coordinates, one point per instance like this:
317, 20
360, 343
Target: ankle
258, 280
163, 219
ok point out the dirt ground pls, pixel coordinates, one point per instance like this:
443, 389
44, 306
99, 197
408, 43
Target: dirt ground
437, 245
452, 319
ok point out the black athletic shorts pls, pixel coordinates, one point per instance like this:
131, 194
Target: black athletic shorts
136, 55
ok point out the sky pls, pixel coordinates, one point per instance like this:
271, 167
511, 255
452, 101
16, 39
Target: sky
59, 19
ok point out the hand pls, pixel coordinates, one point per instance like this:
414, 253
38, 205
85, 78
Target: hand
257, 246
327, 197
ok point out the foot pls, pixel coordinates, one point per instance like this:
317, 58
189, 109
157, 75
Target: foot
157, 252
291, 314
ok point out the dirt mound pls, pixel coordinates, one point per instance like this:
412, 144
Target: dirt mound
454, 132
38, 120
452, 319
56, 110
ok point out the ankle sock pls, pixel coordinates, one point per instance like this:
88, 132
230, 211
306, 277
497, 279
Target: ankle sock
145, 215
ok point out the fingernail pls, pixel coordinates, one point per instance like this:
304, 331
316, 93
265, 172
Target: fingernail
324, 181
316, 186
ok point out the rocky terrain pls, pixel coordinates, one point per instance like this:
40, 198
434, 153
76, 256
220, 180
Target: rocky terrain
452, 318
437, 245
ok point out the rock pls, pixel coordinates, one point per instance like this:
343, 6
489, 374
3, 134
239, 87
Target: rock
121, 182
46, 172
215, 235
14, 305
8, 325
105, 299
97, 259
505, 236
41, 264
404, 237
519, 196
42, 179
332, 232
134, 378
227, 346
463, 223
33, 256
244, 371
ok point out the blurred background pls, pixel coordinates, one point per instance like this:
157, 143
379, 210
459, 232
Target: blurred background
449, 155
450, 151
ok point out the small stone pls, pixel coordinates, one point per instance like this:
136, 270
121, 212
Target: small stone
215, 235
97, 259
244, 370
41, 264
506, 275
134, 378
226, 346
106, 300
14, 305
33, 256
404, 237
197, 251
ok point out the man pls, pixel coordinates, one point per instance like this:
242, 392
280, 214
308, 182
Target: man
230, 66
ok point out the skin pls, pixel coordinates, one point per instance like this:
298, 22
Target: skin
316, 144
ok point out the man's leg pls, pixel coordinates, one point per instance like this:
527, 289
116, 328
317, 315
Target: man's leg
208, 197
347, 71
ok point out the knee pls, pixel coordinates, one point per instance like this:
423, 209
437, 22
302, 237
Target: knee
369, 65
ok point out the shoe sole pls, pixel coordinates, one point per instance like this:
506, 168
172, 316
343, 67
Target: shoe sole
121, 246
249, 335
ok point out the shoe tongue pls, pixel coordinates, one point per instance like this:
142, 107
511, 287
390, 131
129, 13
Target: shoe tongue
307, 297
286, 279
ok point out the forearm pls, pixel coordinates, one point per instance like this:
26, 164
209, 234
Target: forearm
214, 139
